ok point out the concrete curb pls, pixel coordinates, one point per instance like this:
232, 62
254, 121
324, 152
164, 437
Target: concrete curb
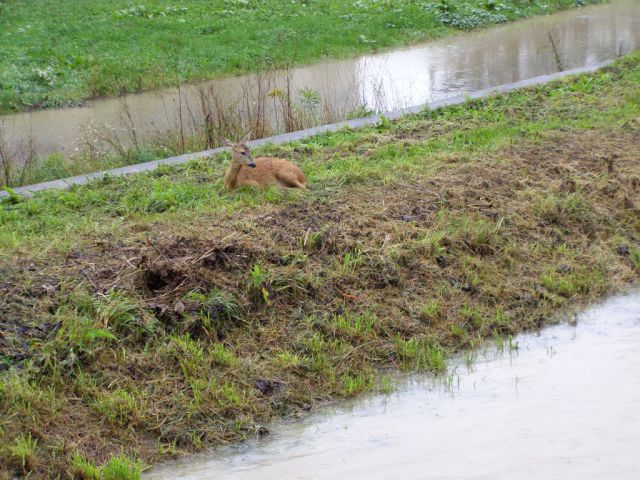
301, 134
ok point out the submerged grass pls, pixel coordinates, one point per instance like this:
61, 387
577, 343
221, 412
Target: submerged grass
62, 52
153, 315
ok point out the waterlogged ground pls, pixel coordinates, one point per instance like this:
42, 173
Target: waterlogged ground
61, 52
561, 403
154, 315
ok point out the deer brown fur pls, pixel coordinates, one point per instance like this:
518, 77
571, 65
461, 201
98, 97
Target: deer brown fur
260, 172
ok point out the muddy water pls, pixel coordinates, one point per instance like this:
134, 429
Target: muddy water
384, 81
564, 405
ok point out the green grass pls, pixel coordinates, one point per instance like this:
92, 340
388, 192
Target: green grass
84, 469
121, 468
421, 354
61, 52
156, 314
170, 191
23, 452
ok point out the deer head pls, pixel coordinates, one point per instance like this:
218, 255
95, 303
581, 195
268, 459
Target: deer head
240, 152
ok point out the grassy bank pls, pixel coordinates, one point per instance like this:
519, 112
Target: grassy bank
61, 52
147, 316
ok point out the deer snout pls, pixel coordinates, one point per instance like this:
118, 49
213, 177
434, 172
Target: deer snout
251, 164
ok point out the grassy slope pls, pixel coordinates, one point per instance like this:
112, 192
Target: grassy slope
155, 314
60, 52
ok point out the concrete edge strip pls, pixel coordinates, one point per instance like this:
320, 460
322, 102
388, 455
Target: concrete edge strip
302, 134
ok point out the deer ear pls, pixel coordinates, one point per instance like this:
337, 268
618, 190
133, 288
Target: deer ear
227, 143
247, 137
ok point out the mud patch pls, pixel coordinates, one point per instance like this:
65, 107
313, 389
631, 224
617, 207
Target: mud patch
161, 276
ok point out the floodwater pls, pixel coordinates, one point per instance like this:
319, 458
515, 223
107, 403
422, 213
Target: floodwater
564, 405
385, 81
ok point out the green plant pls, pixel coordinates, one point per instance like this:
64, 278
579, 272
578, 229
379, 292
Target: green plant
472, 317
430, 311
634, 256
122, 468
288, 359
559, 208
222, 356
421, 354
350, 260
385, 384
83, 469
23, 452
257, 280
355, 326
227, 304
189, 353
76, 338
117, 312
118, 406
230, 395
353, 384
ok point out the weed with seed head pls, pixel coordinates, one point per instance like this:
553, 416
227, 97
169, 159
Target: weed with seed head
312, 240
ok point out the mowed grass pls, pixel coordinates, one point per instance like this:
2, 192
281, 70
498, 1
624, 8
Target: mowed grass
61, 52
154, 315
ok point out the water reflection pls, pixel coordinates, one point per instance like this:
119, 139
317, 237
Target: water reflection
385, 81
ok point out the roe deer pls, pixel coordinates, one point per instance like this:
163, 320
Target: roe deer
261, 171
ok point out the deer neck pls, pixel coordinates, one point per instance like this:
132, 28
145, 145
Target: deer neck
231, 177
